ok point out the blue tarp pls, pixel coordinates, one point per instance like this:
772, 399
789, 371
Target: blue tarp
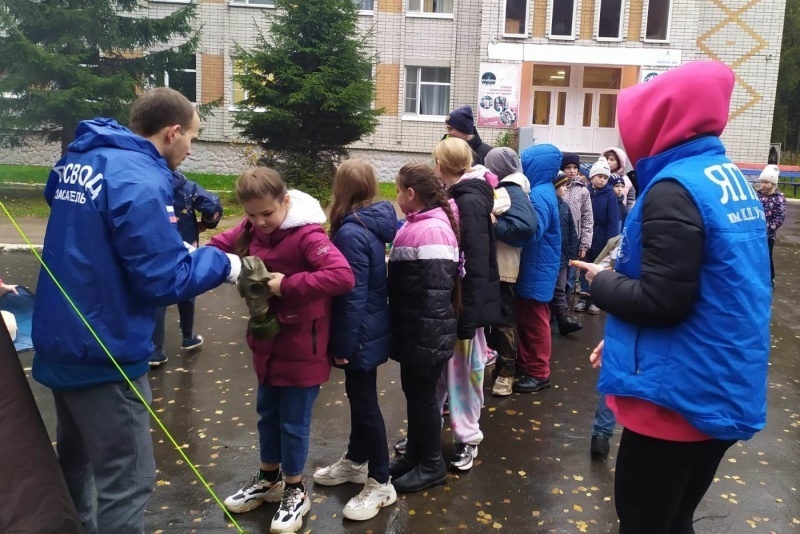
21, 306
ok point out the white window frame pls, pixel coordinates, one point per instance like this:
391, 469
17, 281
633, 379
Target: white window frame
234, 107
669, 24
621, 32
369, 12
196, 71
527, 21
426, 15
172, 1
416, 116
550, 11
246, 3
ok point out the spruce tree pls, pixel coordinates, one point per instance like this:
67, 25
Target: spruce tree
309, 90
63, 61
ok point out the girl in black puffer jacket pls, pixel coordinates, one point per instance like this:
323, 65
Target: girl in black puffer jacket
423, 268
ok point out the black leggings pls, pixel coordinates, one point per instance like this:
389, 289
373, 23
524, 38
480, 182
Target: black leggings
771, 244
659, 483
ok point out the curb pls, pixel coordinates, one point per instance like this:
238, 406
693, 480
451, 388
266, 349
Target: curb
10, 247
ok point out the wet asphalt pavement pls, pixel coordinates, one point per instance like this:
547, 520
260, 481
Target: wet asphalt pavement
534, 473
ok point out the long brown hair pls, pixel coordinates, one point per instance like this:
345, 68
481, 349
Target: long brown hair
354, 186
256, 182
431, 193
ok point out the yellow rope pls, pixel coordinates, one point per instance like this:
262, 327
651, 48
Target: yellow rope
122, 372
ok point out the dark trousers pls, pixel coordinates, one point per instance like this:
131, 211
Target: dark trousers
659, 483
367, 429
186, 313
771, 244
559, 304
534, 339
503, 337
424, 416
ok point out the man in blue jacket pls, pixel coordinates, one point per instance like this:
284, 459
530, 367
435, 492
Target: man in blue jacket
111, 246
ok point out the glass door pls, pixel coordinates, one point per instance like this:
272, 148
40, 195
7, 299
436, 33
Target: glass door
549, 104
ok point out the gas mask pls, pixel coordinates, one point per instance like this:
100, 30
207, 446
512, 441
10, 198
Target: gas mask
252, 284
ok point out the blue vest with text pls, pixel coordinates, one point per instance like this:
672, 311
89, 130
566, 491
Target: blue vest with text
712, 367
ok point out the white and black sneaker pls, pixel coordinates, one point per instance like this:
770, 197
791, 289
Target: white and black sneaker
463, 457
253, 495
294, 506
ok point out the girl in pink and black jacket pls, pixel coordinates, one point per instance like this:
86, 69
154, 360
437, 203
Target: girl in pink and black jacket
283, 229
423, 268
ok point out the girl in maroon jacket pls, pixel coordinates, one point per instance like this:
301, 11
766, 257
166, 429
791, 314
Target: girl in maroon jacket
283, 229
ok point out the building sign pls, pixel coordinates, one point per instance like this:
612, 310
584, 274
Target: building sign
648, 74
498, 95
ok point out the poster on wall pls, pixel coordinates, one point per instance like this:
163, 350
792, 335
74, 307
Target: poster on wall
498, 95
649, 74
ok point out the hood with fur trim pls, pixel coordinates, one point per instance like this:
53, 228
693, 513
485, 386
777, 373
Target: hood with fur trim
303, 210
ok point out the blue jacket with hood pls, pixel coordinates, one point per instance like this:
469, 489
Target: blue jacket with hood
605, 208
111, 244
541, 255
189, 199
711, 367
361, 326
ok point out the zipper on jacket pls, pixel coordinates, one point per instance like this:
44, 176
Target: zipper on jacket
314, 337
636, 369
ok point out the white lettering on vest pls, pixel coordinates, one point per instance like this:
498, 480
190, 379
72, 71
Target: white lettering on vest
717, 174
83, 175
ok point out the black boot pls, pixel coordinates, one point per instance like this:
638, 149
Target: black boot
426, 474
401, 465
567, 325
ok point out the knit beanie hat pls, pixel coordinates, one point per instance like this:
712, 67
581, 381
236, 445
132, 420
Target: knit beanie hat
770, 174
502, 161
560, 179
614, 180
601, 167
461, 119
570, 158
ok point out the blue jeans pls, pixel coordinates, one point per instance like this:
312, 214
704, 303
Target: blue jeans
285, 425
604, 420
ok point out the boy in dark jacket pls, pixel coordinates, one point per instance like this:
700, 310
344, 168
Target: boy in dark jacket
188, 198
569, 251
617, 184
606, 225
515, 225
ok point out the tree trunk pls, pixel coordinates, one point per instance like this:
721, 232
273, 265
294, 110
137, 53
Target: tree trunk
67, 135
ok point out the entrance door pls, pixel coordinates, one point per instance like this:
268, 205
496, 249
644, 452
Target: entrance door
550, 107
598, 121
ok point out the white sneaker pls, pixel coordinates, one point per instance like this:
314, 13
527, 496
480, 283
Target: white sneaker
372, 498
342, 471
256, 493
503, 386
294, 506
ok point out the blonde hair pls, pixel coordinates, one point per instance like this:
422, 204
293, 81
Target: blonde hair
253, 183
453, 155
354, 186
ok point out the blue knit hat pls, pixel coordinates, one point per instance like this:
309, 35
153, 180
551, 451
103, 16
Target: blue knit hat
461, 119
614, 180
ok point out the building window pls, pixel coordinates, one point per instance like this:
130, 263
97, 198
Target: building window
238, 93
562, 19
551, 75
430, 6
427, 91
610, 26
259, 3
658, 15
516, 17
365, 5
183, 80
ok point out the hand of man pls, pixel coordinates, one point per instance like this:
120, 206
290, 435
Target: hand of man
5, 288
591, 269
596, 357
341, 361
274, 284
582, 254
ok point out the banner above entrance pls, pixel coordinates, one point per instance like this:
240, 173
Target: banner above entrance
585, 55
498, 95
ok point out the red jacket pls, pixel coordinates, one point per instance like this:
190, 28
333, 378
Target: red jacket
315, 272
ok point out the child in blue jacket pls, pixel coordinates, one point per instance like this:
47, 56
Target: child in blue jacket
188, 199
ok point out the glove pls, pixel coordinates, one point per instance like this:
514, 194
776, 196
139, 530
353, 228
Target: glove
191, 248
236, 267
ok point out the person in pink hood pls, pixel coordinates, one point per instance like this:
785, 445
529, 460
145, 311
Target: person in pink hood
618, 163
686, 346
284, 229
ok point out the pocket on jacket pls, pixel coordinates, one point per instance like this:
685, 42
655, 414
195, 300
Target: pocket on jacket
306, 312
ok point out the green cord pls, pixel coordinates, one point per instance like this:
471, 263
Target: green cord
122, 372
